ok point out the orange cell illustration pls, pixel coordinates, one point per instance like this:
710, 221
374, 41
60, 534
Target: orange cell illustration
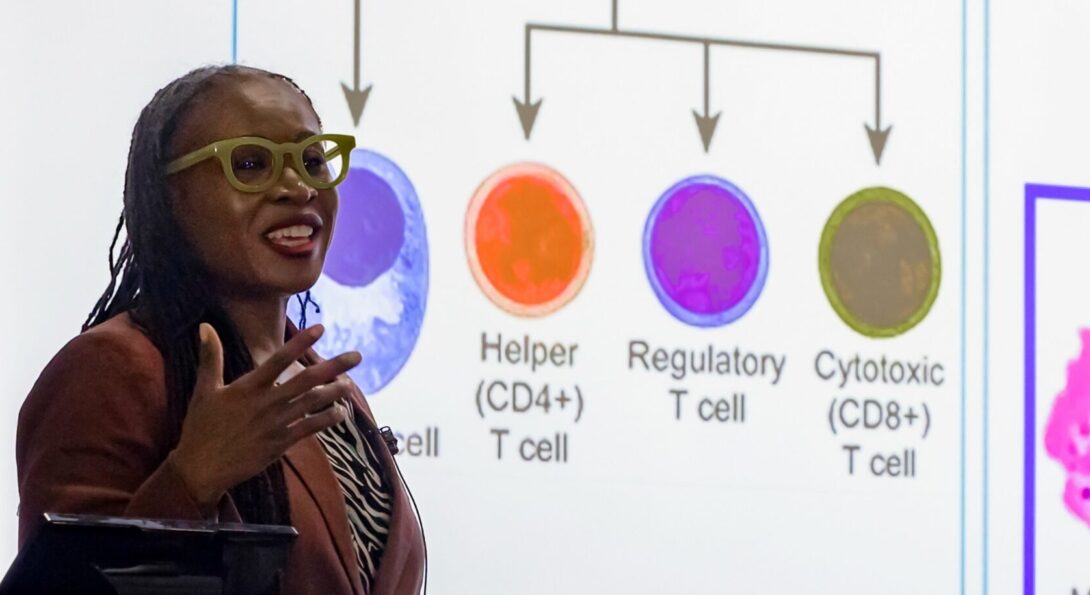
528, 239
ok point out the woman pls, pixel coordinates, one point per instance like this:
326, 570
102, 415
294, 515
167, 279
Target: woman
189, 395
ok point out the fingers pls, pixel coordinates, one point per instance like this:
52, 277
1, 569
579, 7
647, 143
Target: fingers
266, 374
210, 363
315, 401
315, 423
315, 375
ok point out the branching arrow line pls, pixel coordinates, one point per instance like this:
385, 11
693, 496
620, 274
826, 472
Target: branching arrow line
878, 90
877, 135
527, 65
706, 123
356, 97
615, 14
356, 47
707, 69
758, 45
527, 110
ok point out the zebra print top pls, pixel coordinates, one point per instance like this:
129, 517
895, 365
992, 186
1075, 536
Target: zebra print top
366, 494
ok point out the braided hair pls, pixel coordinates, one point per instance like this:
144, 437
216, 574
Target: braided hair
158, 279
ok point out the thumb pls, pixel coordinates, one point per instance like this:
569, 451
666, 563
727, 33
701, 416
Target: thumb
210, 365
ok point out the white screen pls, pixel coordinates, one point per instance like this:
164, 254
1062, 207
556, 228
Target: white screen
778, 113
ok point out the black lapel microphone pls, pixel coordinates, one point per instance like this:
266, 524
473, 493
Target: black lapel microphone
390, 440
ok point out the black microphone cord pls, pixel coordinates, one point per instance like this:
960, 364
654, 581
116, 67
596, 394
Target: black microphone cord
388, 436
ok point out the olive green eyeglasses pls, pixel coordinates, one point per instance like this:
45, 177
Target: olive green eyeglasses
255, 164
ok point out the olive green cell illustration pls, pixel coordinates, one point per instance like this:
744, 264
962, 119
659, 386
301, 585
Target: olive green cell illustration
880, 263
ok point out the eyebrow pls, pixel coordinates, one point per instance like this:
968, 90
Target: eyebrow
304, 134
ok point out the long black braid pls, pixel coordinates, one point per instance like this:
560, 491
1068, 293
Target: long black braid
157, 278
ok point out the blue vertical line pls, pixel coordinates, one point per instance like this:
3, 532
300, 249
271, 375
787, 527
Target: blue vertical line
234, 31
987, 289
964, 200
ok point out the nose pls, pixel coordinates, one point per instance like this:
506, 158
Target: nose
291, 187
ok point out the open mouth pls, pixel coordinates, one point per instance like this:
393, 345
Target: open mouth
292, 236
298, 237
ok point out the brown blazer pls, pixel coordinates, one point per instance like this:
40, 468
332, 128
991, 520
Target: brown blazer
92, 438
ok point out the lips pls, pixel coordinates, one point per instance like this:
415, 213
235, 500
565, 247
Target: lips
295, 236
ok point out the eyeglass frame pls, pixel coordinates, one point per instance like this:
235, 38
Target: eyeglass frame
222, 149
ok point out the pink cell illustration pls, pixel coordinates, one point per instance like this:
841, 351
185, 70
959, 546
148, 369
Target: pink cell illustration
1067, 436
1077, 495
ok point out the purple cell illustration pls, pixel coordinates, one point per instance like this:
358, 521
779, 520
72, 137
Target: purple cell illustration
373, 290
370, 230
1067, 435
705, 251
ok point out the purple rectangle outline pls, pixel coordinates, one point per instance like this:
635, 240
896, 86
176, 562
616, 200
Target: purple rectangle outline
1029, 510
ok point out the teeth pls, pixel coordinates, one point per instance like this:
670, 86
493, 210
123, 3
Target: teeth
295, 231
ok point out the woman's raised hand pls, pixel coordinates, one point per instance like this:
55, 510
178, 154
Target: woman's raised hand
233, 432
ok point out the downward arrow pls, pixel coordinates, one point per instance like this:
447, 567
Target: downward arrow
356, 97
878, 138
527, 114
876, 135
526, 109
706, 124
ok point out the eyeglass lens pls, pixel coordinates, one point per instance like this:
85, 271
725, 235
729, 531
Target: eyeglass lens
255, 165
319, 163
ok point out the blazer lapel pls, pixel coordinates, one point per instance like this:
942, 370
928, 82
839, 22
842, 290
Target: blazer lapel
400, 540
404, 533
308, 460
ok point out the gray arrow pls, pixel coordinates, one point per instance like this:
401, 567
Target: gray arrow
527, 110
876, 135
356, 97
706, 124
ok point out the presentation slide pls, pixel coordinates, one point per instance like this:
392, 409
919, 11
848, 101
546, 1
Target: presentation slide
657, 297
658, 284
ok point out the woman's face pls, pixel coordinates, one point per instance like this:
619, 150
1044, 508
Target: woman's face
266, 244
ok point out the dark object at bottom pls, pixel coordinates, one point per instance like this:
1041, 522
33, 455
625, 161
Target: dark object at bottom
389, 438
96, 555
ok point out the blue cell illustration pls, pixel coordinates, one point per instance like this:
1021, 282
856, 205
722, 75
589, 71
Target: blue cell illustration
374, 288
